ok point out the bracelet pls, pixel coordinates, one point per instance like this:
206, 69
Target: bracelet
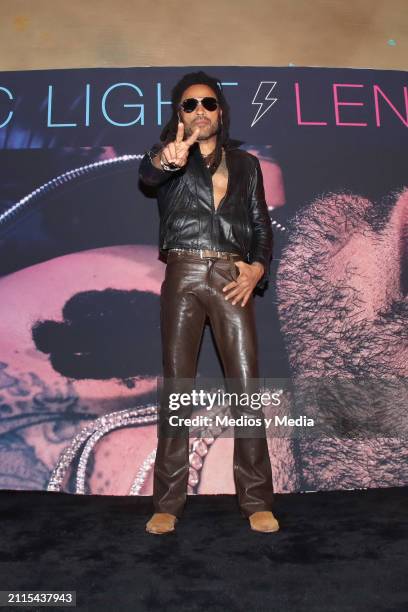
163, 164
166, 167
170, 167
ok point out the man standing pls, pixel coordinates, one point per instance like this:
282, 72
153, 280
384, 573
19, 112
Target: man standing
213, 217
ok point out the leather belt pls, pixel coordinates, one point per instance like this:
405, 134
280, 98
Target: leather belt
202, 253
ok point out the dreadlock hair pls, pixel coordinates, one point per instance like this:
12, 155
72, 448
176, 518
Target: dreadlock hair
169, 131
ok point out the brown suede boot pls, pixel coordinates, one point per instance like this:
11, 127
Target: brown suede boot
161, 522
263, 521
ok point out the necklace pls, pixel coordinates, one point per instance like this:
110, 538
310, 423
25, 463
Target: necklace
142, 415
209, 158
206, 158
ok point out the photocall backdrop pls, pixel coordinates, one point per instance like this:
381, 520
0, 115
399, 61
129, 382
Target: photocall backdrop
81, 277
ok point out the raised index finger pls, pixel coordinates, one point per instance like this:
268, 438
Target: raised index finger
180, 132
191, 139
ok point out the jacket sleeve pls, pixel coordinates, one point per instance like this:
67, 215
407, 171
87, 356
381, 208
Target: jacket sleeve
148, 173
262, 237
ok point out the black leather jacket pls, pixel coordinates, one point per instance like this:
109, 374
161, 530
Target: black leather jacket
188, 219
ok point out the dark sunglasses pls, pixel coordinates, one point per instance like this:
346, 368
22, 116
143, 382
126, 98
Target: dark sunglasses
190, 104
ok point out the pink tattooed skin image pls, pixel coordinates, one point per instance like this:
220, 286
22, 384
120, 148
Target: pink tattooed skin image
342, 303
50, 407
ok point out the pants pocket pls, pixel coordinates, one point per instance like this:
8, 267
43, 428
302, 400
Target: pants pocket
234, 271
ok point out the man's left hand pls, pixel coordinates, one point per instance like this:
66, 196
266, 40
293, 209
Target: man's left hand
242, 288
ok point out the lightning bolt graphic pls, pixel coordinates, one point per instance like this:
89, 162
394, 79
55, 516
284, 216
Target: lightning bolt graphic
262, 93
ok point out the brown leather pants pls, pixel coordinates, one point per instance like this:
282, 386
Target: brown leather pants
191, 290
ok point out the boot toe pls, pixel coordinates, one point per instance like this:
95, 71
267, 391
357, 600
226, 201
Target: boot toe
161, 522
263, 521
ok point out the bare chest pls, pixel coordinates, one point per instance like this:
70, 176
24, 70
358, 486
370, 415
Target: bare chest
220, 182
